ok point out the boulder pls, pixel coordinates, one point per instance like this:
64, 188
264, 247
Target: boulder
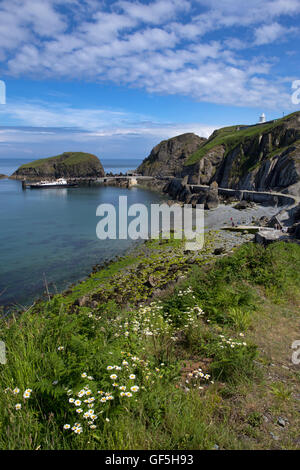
212, 201
242, 205
297, 231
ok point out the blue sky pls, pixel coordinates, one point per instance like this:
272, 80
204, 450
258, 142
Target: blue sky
116, 77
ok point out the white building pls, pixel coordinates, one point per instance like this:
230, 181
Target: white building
262, 118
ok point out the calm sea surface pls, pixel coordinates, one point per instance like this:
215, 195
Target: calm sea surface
53, 231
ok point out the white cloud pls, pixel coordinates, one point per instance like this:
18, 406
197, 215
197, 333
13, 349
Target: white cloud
46, 121
269, 33
161, 46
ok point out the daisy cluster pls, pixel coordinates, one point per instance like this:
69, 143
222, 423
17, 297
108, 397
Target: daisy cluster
90, 406
17, 393
230, 343
196, 377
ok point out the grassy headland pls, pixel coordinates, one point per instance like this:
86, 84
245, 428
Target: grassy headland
157, 361
231, 137
67, 164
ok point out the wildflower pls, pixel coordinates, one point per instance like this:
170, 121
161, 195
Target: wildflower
113, 376
122, 394
90, 377
84, 375
93, 426
107, 419
77, 403
135, 388
88, 392
123, 387
71, 400
67, 426
60, 348
78, 430
18, 406
103, 399
128, 394
16, 391
110, 367
242, 334
27, 393
79, 410
132, 376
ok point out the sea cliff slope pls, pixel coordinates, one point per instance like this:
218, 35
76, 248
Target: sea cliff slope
65, 165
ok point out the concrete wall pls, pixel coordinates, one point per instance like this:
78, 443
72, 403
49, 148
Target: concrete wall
264, 198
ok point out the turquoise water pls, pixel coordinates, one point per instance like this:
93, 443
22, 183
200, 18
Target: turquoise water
53, 231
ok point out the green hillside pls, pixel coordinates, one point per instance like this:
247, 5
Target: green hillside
69, 158
231, 137
66, 165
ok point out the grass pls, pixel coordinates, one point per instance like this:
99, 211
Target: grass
231, 137
68, 158
200, 354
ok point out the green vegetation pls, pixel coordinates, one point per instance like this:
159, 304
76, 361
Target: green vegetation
231, 137
195, 361
68, 158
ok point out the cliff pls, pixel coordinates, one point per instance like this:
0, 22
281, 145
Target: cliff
169, 157
261, 157
66, 165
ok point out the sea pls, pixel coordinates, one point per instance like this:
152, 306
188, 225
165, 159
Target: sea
48, 236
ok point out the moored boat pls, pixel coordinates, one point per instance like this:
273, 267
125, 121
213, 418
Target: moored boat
60, 183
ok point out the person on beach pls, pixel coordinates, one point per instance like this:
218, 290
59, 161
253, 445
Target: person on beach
232, 223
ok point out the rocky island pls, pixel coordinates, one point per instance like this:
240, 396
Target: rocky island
66, 165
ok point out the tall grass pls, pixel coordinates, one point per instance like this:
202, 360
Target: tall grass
59, 352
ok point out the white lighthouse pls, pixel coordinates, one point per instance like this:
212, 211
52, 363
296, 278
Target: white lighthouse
262, 118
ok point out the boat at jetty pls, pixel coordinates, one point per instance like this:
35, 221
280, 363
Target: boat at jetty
60, 183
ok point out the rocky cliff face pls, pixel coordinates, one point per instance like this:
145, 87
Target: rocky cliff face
260, 157
168, 157
66, 165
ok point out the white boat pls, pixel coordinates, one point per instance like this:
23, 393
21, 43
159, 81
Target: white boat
60, 183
